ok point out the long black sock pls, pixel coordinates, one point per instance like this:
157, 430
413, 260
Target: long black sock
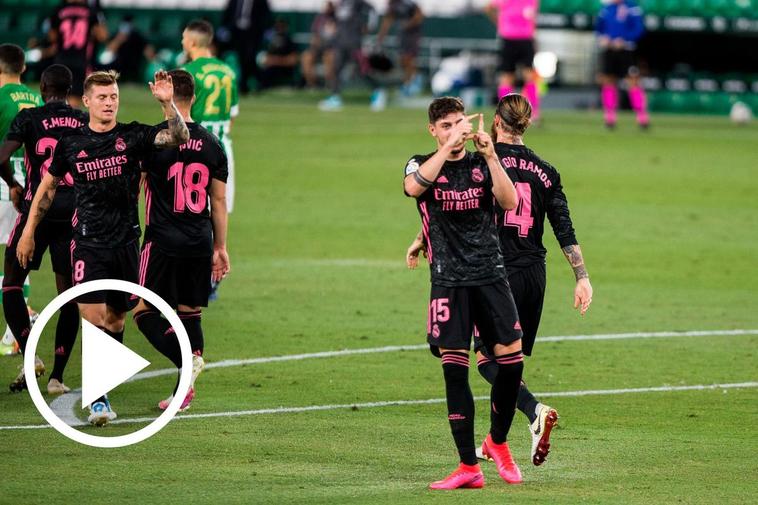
504, 394
460, 404
159, 333
487, 368
526, 402
65, 338
192, 323
16, 314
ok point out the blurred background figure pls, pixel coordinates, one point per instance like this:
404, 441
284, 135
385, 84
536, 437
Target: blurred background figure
76, 26
279, 61
516, 22
354, 18
127, 51
323, 31
246, 21
619, 26
410, 18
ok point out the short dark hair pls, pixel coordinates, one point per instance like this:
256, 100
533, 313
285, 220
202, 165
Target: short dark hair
184, 85
100, 78
444, 105
204, 29
11, 59
56, 80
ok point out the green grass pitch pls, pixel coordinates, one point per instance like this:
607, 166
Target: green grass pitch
668, 223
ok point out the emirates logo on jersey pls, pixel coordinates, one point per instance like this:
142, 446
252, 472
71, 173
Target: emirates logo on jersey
477, 175
120, 144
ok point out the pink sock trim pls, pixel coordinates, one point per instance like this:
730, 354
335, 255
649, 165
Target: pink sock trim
610, 98
531, 94
638, 100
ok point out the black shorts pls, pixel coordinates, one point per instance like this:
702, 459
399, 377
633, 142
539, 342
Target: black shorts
55, 235
178, 280
617, 62
455, 312
515, 52
528, 288
94, 263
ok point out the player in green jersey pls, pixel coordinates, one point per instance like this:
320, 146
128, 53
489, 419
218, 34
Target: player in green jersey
14, 96
216, 100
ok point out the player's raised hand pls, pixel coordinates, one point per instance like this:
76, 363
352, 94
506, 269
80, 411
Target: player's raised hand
25, 249
583, 295
482, 140
163, 87
221, 264
411, 255
461, 132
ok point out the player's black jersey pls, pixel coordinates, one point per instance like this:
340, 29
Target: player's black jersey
458, 222
40, 129
539, 189
178, 193
106, 172
74, 22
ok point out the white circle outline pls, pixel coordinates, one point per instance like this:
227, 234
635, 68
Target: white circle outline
120, 440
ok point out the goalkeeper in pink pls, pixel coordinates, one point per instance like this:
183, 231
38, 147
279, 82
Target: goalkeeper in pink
516, 21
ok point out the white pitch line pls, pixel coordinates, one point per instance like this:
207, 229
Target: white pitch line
395, 403
64, 405
417, 347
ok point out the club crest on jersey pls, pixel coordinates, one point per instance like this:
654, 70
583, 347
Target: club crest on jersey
120, 144
436, 331
477, 175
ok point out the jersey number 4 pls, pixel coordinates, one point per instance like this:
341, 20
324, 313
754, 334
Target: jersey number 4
521, 216
189, 186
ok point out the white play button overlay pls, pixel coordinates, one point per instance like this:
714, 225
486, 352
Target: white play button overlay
105, 363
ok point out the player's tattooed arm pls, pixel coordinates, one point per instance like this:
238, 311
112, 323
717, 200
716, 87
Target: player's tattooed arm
41, 203
583, 289
177, 132
574, 256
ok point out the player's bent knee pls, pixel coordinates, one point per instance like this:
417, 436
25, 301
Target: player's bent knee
501, 349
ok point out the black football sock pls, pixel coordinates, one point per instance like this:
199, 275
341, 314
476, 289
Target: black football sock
460, 404
526, 402
487, 368
159, 333
504, 394
65, 338
16, 314
192, 323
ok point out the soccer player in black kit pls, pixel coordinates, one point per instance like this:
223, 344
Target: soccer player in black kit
104, 158
540, 194
39, 129
455, 192
185, 234
75, 27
